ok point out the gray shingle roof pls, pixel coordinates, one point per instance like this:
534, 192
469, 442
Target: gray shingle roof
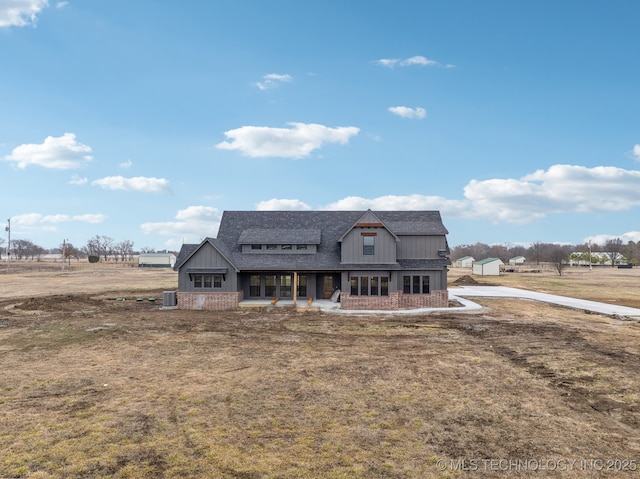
323, 228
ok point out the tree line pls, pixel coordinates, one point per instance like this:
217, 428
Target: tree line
538, 252
97, 248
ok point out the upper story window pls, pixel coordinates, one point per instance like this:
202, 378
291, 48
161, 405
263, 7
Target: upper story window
272, 246
256, 246
301, 247
368, 244
286, 246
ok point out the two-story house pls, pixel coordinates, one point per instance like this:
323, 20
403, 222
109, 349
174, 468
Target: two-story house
370, 260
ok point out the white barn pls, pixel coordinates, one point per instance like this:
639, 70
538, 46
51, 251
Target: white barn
517, 260
487, 267
156, 260
465, 262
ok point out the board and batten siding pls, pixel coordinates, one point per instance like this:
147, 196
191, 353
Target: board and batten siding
420, 247
207, 257
384, 250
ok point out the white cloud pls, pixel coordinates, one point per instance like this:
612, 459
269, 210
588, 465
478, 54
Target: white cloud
282, 205
601, 239
36, 219
272, 80
126, 164
61, 153
407, 112
62, 4
560, 189
401, 203
77, 180
193, 224
138, 183
19, 13
295, 142
636, 152
418, 60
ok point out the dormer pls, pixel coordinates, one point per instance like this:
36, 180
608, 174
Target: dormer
279, 241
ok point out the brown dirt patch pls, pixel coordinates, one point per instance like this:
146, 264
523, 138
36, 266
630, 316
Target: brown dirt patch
95, 387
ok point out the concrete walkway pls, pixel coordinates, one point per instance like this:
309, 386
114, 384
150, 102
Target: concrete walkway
580, 304
460, 295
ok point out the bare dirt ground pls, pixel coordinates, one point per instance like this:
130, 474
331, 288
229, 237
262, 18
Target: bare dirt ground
95, 387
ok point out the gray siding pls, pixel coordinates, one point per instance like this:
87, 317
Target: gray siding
419, 247
384, 251
207, 257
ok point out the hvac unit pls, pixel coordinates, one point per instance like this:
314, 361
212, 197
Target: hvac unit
169, 299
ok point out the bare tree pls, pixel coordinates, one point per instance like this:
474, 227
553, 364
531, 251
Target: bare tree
559, 258
101, 246
613, 248
68, 251
124, 250
536, 250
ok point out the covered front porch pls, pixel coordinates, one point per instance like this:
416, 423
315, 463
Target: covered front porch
289, 285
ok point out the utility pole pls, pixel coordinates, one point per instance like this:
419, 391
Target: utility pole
8, 230
64, 249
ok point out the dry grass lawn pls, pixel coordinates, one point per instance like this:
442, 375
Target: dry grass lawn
92, 387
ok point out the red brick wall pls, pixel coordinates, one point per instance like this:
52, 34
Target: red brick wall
397, 300
209, 301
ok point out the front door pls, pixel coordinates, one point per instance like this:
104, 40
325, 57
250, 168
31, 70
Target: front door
327, 286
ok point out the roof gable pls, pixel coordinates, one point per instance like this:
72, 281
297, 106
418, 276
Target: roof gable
368, 220
189, 250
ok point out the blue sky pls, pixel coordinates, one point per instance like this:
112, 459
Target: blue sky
144, 120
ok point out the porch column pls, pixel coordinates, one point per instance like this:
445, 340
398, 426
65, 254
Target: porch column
295, 287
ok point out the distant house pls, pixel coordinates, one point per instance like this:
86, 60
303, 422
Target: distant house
487, 267
516, 260
464, 262
369, 259
156, 260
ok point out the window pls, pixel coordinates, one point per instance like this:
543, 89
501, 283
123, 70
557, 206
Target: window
415, 285
285, 285
286, 246
384, 286
301, 247
272, 247
369, 286
208, 281
406, 284
354, 286
197, 281
368, 245
270, 286
374, 286
302, 286
364, 286
256, 246
217, 281
425, 285
254, 285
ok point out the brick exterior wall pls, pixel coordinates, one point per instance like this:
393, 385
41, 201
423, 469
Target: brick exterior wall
397, 300
209, 301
